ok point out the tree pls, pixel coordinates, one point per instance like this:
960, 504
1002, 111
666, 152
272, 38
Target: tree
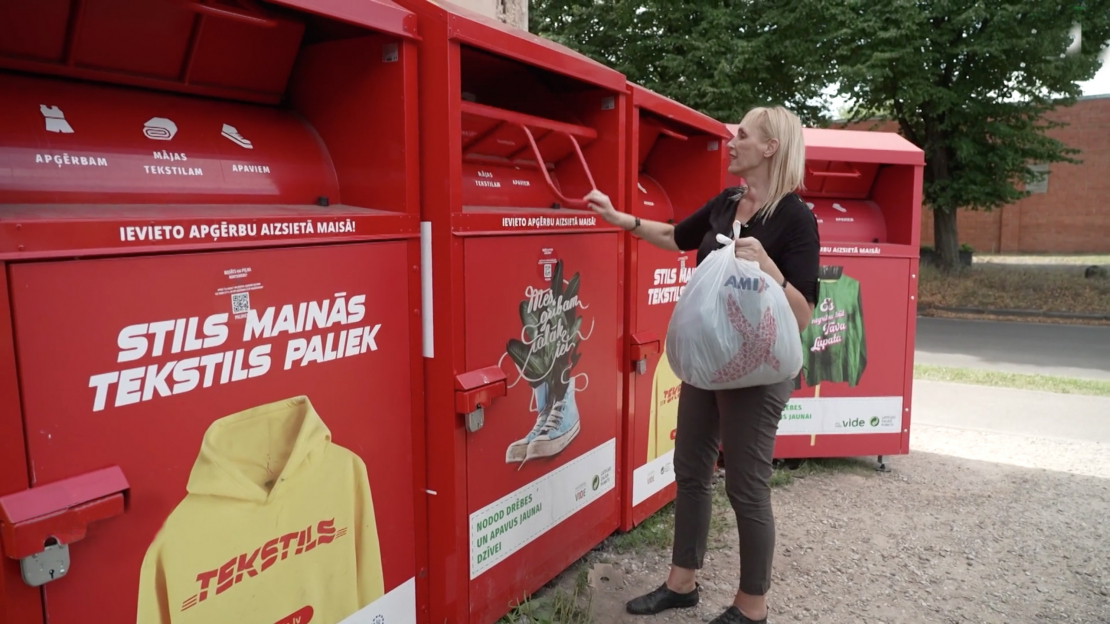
720, 57
969, 82
971, 85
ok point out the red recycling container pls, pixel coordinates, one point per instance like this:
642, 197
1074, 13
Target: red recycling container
523, 308
674, 152
853, 394
211, 405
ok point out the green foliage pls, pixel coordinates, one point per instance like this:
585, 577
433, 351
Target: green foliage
720, 57
968, 81
545, 364
971, 83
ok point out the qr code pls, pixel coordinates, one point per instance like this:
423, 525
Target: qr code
240, 303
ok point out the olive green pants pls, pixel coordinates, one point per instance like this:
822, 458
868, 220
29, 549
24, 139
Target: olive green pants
743, 423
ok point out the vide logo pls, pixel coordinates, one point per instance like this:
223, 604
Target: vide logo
856, 423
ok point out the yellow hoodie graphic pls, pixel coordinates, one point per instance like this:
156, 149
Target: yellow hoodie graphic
663, 418
277, 527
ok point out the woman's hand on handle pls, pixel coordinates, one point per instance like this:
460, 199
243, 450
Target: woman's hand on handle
659, 234
749, 248
601, 205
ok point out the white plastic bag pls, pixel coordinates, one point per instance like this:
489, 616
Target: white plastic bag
733, 327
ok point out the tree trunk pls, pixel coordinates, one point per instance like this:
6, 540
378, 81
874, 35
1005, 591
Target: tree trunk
946, 239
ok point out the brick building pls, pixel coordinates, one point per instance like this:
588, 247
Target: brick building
1070, 213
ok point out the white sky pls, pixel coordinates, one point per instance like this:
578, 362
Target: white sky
1100, 84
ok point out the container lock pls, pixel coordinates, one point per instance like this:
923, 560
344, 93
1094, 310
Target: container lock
38, 525
644, 344
475, 391
49, 565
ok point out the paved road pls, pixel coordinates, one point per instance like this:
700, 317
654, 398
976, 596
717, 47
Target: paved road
1042, 348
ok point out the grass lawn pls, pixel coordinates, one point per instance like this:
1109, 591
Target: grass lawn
1044, 383
1046, 287
560, 606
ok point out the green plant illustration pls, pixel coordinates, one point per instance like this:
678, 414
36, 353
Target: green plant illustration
545, 364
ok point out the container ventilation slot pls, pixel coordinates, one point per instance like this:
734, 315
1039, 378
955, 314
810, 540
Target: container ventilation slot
848, 180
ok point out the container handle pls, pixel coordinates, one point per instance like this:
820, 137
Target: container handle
570, 203
854, 173
661, 129
253, 15
673, 134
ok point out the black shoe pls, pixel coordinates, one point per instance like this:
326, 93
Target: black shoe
661, 599
733, 616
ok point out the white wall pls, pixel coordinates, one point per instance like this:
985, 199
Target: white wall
511, 12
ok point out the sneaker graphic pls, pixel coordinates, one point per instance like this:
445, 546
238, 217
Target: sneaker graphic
545, 353
561, 427
518, 451
231, 134
55, 119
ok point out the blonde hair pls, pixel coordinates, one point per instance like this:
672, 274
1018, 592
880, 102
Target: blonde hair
789, 160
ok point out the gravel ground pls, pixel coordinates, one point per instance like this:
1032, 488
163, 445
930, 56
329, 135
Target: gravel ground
956, 533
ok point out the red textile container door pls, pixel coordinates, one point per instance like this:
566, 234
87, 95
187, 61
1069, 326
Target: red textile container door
853, 394
523, 308
210, 364
674, 152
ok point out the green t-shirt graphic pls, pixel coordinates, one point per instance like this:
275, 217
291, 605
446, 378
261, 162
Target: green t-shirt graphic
834, 345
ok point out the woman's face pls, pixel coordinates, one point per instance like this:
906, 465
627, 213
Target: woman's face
747, 150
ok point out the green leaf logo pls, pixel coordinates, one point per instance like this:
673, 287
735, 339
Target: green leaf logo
597, 482
874, 421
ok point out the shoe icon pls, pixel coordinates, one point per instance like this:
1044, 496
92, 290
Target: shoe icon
518, 451
55, 119
231, 134
561, 427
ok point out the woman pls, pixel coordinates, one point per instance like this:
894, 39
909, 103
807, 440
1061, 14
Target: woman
779, 233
